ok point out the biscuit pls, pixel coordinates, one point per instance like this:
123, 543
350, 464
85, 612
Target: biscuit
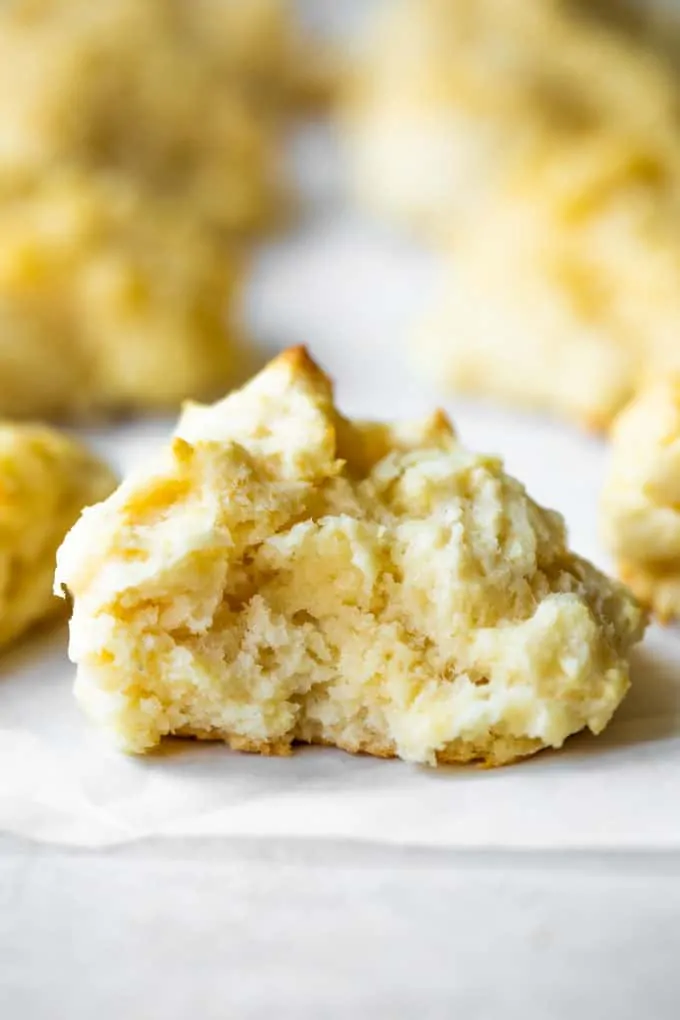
541, 145
45, 481
639, 507
179, 98
108, 304
281, 574
138, 145
560, 310
451, 99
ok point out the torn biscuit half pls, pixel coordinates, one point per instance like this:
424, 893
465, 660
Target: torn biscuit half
281, 574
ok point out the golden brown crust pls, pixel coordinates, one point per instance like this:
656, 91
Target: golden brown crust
597, 424
270, 748
648, 588
495, 751
301, 364
236, 742
440, 424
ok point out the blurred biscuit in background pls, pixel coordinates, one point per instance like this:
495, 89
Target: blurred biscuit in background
138, 145
110, 301
561, 306
539, 142
640, 502
180, 97
46, 478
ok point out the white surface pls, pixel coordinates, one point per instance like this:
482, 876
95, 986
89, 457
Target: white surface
247, 931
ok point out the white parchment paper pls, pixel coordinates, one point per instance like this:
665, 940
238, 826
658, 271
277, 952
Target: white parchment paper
349, 291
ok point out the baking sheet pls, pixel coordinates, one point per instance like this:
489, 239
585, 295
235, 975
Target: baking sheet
349, 289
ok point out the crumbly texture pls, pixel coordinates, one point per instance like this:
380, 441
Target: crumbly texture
282, 574
640, 502
138, 145
544, 145
46, 479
